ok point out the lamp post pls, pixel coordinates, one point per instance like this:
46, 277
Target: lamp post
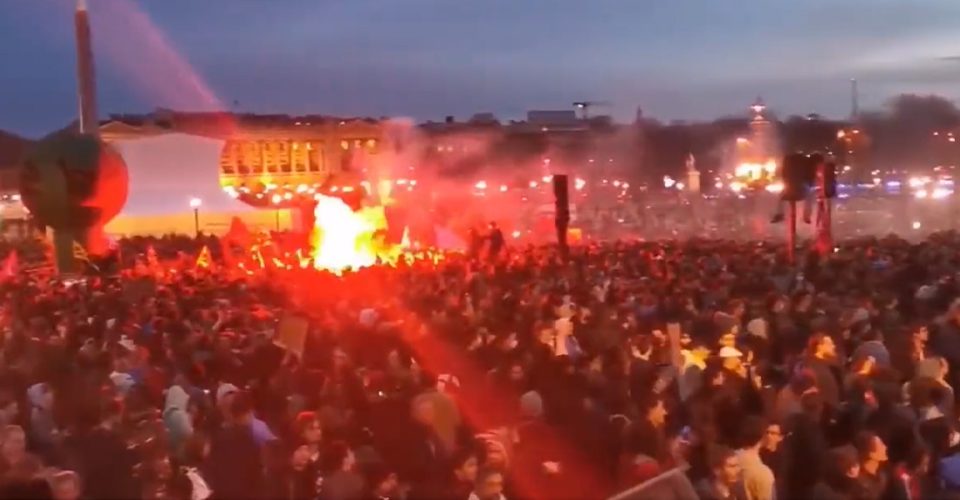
195, 205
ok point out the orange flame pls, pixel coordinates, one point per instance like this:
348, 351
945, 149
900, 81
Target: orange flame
343, 239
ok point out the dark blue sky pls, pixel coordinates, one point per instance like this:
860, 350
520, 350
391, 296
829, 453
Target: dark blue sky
429, 58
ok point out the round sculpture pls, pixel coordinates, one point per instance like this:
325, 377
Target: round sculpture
74, 184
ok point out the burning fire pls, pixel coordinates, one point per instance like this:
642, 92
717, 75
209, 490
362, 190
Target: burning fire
752, 172
343, 239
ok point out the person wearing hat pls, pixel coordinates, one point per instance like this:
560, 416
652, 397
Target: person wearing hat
731, 357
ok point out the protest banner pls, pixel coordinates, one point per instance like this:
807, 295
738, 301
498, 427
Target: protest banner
292, 334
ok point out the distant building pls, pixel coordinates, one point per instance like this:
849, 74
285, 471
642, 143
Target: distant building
12, 150
484, 119
555, 120
233, 163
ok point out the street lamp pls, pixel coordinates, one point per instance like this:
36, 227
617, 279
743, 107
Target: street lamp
195, 205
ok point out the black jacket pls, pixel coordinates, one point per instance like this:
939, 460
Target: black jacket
234, 463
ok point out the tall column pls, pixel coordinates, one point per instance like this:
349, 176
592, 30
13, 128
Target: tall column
86, 77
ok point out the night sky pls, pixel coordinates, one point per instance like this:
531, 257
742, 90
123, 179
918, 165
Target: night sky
677, 59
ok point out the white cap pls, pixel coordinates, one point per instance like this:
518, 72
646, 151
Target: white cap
127, 343
225, 390
926, 292
730, 352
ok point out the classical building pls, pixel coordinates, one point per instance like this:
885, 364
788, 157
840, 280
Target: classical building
233, 164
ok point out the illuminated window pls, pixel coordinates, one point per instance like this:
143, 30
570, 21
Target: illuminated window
345, 145
371, 143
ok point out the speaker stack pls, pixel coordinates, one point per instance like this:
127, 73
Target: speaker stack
561, 195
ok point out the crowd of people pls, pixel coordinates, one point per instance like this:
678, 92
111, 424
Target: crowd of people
525, 373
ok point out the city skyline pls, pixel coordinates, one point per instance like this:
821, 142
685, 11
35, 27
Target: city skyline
689, 59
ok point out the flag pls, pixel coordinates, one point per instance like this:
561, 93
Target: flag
257, 255
204, 260
9, 267
80, 253
238, 233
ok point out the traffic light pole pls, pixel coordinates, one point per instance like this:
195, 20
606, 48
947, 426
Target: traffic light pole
824, 219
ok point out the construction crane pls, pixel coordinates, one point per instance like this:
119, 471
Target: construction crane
584, 107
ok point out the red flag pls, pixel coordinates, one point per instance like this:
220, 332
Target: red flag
10, 265
238, 233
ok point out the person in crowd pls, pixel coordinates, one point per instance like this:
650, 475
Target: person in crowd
489, 486
872, 346
821, 358
872, 454
384, 484
465, 465
495, 241
177, 417
297, 478
534, 375
910, 479
840, 475
235, 461
770, 449
99, 452
724, 482
340, 479
191, 481
43, 426
691, 372
758, 479
932, 372
15, 460
155, 474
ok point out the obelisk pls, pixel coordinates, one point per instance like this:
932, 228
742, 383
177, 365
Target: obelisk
86, 78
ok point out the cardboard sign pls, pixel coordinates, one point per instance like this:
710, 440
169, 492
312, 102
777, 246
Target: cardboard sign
292, 334
671, 485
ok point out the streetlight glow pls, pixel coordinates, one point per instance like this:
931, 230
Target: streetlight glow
195, 202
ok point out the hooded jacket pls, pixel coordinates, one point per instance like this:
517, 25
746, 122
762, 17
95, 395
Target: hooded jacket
42, 425
175, 417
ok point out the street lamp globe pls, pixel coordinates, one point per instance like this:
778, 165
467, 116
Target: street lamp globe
195, 202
